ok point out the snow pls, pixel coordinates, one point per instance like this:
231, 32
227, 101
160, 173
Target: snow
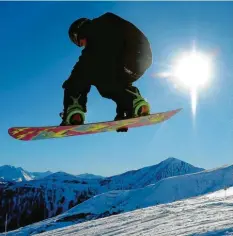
207, 215
202, 216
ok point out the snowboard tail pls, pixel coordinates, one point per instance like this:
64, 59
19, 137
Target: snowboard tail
48, 132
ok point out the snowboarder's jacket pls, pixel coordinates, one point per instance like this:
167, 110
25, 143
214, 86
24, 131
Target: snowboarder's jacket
115, 49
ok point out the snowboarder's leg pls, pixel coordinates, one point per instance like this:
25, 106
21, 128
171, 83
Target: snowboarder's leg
134, 68
74, 102
128, 99
130, 103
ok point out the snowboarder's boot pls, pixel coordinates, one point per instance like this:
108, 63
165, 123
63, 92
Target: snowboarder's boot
75, 114
140, 108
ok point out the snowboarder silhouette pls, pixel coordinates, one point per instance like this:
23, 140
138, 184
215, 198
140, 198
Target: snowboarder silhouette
116, 54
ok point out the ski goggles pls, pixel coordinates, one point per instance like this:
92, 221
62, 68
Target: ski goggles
75, 39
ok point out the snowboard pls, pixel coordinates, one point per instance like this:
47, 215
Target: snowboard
48, 132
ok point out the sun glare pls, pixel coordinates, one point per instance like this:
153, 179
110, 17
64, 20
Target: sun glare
192, 71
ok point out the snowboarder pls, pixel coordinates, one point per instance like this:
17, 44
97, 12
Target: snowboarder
116, 54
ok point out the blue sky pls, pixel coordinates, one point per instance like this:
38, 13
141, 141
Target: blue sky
36, 56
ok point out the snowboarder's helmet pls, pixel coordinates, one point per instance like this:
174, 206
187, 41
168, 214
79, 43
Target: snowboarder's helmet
75, 29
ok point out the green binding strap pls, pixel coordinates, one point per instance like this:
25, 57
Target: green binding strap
74, 109
138, 102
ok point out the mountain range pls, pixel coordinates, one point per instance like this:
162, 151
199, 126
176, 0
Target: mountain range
10, 173
35, 198
170, 181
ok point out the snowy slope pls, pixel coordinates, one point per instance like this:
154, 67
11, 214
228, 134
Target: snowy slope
164, 191
208, 215
203, 216
11, 173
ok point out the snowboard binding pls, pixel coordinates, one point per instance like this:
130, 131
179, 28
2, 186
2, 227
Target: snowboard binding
140, 108
74, 115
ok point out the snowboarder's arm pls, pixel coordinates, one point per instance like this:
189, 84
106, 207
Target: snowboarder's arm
80, 72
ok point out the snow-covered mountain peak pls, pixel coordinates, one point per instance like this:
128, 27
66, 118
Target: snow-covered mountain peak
149, 175
61, 175
11, 173
172, 161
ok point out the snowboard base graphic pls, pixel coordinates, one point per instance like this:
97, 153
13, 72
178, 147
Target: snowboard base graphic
48, 132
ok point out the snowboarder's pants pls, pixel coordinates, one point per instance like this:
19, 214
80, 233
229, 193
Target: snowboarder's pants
118, 92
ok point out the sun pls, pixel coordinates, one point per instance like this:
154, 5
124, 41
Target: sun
193, 71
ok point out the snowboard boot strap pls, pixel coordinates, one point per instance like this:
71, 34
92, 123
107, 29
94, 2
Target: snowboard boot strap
140, 106
75, 114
